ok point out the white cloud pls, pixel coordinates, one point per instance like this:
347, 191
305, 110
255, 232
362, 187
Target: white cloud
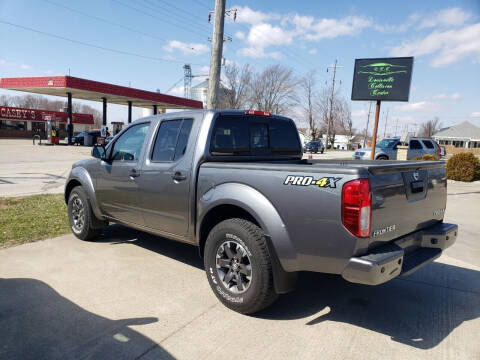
205, 69
313, 51
253, 17
240, 35
447, 47
447, 17
259, 53
412, 20
454, 96
289, 28
178, 91
475, 114
262, 36
328, 28
359, 113
15, 65
418, 106
186, 48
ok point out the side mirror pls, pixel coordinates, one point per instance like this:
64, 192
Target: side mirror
99, 152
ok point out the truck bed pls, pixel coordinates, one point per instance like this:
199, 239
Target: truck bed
407, 196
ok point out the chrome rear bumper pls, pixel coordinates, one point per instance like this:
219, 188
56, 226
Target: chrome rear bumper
402, 256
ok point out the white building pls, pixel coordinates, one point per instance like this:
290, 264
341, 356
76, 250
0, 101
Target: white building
341, 141
463, 135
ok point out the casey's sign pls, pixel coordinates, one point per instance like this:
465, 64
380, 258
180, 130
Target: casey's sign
21, 114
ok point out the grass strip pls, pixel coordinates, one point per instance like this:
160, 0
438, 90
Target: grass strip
32, 218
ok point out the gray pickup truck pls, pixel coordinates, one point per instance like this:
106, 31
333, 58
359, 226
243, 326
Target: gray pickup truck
234, 184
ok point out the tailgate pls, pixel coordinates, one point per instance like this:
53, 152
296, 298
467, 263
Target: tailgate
406, 197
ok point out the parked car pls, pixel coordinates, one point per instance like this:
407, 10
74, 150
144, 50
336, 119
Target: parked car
387, 149
80, 138
315, 147
234, 184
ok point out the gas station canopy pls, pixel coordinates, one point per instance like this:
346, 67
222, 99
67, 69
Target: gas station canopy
97, 91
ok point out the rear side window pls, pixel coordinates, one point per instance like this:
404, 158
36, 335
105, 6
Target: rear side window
415, 144
428, 144
183, 138
171, 140
230, 136
250, 135
284, 138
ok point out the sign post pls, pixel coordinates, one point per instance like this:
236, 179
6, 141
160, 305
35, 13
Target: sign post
381, 79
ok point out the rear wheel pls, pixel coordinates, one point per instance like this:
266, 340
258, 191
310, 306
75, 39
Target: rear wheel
238, 266
382, 157
83, 222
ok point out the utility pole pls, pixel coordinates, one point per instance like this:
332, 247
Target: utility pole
385, 130
334, 67
216, 56
366, 128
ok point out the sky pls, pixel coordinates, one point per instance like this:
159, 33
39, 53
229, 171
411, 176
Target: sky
145, 43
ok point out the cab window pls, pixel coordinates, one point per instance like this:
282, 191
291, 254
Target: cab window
129, 145
251, 135
171, 140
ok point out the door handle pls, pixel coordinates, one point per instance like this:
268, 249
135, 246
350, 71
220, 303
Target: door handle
134, 174
178, 176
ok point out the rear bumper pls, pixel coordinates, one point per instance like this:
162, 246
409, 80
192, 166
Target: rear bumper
402, 256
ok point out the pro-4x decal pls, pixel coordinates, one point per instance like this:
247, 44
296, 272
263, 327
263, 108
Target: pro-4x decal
324, 182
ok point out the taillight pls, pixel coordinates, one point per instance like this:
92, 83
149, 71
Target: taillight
438, 149
257, 112
356, 207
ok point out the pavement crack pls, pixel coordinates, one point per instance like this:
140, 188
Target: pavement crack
175, 331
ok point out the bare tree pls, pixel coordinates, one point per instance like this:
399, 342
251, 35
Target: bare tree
237, 82
273, 90
6, 100
430, 127
344, 115
308, 96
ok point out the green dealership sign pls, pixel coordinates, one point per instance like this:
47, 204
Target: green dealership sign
384, 79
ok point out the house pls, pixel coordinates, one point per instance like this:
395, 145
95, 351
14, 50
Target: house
463, 135
342, 142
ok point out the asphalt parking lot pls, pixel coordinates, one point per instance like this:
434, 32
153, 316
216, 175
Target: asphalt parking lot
27, 169
135, 296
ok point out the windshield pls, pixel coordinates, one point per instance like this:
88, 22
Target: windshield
387, 143
313, 143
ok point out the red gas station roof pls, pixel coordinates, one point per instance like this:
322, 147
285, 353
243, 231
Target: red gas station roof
94, 90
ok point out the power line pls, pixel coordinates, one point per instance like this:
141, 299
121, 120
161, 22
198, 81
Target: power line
186, 22
158, 18
284, 52
104, 20
93, 45
185, 12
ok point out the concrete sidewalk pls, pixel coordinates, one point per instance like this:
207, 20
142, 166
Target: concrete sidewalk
133, 296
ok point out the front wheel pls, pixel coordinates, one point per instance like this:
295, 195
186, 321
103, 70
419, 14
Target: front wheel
238, 266
382, 157
83, 222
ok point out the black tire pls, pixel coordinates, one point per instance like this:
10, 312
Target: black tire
322, 151
259, 291
382, 157
90, 227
